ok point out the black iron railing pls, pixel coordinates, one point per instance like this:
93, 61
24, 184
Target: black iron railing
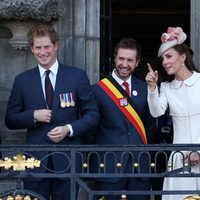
17, 164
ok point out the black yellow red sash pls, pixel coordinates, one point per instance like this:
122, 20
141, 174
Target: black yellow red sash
129, 111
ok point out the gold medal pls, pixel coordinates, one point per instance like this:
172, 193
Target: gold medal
67, 100
68, 104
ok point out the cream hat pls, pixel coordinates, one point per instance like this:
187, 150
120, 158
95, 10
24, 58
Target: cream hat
192, 197
170, 39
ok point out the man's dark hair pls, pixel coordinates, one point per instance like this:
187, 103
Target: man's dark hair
128, 43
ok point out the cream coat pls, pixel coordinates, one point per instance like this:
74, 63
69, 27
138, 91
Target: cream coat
183, 99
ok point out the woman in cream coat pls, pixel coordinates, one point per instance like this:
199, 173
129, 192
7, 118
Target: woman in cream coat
182, 96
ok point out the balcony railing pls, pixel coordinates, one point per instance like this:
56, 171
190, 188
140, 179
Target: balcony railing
18, 163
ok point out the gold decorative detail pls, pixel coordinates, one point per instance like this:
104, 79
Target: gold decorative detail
101, 165
136, 165
123, 196
19, 163
27, 197
102, 198
153, 165
19, 197
119, 165
85, 165
192, 197
10, 198
169, 164
186, 164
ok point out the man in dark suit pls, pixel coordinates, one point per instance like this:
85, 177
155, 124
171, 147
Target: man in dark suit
56, 107
125, 120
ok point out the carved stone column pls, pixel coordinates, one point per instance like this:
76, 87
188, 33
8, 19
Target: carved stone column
20, 15
19, 30
79, 31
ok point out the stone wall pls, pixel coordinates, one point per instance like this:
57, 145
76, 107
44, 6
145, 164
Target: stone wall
79, 34
78, 30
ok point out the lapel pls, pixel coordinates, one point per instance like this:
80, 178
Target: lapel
59, 86
36, 86
134, 88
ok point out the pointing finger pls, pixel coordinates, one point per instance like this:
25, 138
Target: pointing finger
149, 67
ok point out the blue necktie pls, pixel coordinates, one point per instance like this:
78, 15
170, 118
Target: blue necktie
48, 90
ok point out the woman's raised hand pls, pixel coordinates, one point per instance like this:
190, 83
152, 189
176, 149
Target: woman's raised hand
151, 78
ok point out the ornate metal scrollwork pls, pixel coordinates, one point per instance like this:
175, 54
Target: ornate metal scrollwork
19, 163
19, 197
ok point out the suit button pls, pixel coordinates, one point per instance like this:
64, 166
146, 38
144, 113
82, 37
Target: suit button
129, 133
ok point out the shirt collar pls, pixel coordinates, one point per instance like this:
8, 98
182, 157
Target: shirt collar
188, 82
53, 68
120, 81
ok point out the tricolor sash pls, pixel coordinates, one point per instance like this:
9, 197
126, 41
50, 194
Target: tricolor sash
116, 92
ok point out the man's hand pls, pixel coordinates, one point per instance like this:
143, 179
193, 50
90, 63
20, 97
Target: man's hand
43, 115
58, 133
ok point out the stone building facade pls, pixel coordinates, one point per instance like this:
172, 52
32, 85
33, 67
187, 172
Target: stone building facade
78, 25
